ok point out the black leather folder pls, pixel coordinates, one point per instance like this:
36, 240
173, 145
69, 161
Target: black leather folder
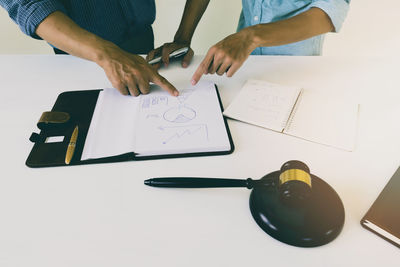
79, 106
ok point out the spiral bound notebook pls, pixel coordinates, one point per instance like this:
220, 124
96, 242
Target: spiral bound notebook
298, 112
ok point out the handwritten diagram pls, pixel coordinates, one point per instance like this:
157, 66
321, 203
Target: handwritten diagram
177, 133
172, 120
180, 114
184, 95
152, 101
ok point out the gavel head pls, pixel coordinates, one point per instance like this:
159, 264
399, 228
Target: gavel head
297, 207
294, 185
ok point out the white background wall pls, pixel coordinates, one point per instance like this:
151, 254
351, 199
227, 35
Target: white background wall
371, 28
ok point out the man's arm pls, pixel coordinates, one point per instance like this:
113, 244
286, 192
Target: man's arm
46, 19
127, 72
303, 26
229, 54
29, 14
194, 10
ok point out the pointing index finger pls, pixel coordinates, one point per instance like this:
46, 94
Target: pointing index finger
165, 84
203, 68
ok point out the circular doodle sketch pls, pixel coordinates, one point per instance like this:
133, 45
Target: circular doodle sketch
180, 114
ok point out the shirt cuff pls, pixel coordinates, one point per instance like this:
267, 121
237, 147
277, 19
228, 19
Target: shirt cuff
336, 10
37, 12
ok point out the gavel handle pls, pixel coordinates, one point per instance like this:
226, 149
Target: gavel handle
195, 182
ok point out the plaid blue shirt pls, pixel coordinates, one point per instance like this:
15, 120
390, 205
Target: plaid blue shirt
266, 11
113, 20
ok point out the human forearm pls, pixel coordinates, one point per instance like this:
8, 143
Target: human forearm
228, 55
29, 14
303, 26
129, 73
60, 31
194, 10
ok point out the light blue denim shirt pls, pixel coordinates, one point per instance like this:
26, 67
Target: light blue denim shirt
266, 11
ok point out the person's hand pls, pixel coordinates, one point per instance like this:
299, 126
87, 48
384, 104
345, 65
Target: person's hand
130, 73
227, 56
167, 49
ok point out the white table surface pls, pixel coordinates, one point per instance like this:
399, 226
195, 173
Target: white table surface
103, 215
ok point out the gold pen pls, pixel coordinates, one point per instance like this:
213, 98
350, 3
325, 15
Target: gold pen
71, 146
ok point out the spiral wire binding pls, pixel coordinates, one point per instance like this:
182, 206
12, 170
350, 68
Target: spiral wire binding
286, 126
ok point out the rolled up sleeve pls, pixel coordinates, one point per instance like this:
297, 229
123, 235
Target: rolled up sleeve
336, 10
29, 14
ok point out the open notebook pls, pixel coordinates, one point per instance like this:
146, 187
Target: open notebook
298, 112
158, 124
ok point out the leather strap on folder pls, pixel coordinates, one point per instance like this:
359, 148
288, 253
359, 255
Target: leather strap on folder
51, 119
35, 138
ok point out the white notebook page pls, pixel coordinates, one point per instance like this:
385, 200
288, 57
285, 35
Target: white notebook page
157, 123
264, 104
112, 128
325, 119
315, 117
191, 122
